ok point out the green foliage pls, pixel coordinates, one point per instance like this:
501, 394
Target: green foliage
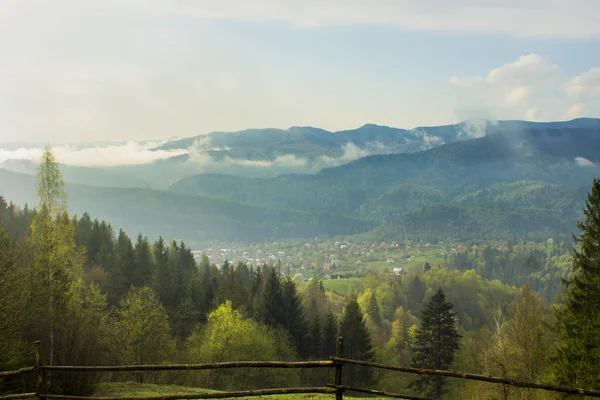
141, 328
357, 345
55, 272
229, 336
436, 342
578, 359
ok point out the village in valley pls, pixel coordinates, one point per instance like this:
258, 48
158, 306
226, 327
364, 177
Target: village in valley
327, 259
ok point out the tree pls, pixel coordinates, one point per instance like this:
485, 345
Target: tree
142, 328
518, 347
272, 312
578, 360
56, 270
120, 276
373, 309
357, 345
330, 331
436, 342
229, 336
10, 285
142, 268
294, 318
316, 340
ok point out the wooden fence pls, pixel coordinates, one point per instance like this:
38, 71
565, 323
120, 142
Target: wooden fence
40, 371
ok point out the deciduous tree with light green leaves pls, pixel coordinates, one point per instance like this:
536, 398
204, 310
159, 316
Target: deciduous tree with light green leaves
230, 336
142, 329
55, 273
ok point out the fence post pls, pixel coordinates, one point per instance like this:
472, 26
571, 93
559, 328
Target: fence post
39, 383
339, 352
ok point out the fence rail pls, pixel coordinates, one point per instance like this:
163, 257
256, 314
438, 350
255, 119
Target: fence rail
191, 367
336, 388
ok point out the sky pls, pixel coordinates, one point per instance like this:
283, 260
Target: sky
130, 70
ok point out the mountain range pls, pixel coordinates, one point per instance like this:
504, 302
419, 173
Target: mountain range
477, 181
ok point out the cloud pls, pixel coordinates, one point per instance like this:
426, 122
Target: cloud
129, 153
350, 153
584, 162
512, 83
586, 84
429, 141
577, 110
533, 88
533, 114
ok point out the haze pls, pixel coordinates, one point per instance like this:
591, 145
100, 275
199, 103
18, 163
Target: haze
75, 71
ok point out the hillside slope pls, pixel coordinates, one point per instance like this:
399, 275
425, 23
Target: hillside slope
191, 217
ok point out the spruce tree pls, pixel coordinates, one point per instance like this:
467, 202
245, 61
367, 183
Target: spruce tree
357, 345
373, 309
578, 358
120, 277
294, 317
316, 339
271, 310
330, 331
436, 342
142, 272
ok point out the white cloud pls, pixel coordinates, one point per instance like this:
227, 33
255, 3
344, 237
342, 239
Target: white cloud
533, 114
584, 162
533, 88
586, 84
129, 153
429, 141
577, 110
517, 95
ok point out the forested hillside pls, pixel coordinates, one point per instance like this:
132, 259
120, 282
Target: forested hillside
192, 217
94, 296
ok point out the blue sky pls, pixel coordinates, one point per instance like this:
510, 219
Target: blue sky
132, 69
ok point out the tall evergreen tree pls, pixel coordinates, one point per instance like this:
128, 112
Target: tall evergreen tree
436, 342
357, 345
272, 310
120, 276
316, 339
294, 317
373, 309
578, 360
142, 271
330, 331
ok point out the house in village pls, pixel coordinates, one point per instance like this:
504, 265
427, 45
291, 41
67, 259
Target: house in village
398, 271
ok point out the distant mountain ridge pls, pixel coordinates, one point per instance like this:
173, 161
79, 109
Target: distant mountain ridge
532, 182
297, 150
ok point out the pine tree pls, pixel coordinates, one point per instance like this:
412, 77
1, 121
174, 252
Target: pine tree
142, 271
294, 317
120, 276
578, 360
436, 342
330, 331
316, 339
271, 310
357, 345
373, 309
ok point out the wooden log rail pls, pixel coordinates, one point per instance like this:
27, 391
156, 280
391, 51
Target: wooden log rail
475, 377
191, 367
217, 395
19, 396
17, 372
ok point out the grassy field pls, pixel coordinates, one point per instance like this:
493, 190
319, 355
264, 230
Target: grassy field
122, 389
